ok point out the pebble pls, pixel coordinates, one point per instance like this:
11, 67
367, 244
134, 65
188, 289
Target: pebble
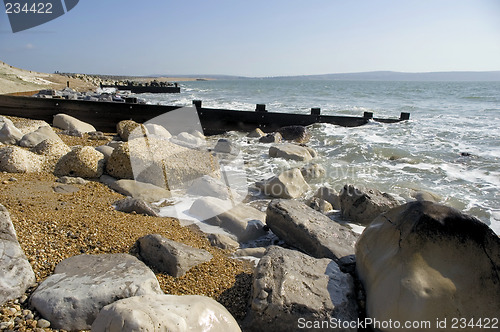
43, 323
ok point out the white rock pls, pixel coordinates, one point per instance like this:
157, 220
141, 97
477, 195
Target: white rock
426, 262
291, 152
16, 274
165, 313
289, 285
82, 285
155, 129
9, 134
288, 184
66, 122
14, 159
170, 256
41, 134
85, 162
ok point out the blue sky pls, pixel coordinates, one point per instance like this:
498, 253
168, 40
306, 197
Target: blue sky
260, 38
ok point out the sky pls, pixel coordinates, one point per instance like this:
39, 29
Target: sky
260, 38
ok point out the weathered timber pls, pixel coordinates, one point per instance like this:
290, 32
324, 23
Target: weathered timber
105, 115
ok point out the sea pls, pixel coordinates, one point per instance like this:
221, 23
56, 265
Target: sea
449, 148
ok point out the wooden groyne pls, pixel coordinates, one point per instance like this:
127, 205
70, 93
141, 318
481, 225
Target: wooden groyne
105, 115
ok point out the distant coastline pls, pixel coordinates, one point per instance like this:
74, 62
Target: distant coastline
466, 76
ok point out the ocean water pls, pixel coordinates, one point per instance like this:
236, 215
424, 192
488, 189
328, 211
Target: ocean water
450, 147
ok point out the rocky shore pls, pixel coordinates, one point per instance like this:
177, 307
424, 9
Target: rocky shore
84, 247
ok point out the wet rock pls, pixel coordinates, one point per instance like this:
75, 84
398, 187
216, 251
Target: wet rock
16, 274
291, 152
271, 138
288, 184
309, 230
423, 261
421, 195
298, 134
225, 146
82, 285
364, 206
313, 171
139, 206
244, 222
67, 122
85, 162
169, 256
165, 313
290, 287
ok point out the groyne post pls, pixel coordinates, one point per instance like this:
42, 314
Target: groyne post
368, 115
404, 116
260, 108
197, 103
315, 111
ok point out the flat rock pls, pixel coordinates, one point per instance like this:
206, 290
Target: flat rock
169, 256
309, 230
290, 286
71, 180
41, 134
291, 152
288, 184
139, 206
82, 161
423, 261
106, 150
364, 206
67, 122
16, 274
165, 313
208, 186
244, 222
222, 241
145, 191
82, 285
65, 189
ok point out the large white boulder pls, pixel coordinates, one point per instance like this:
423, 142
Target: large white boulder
309, 230
85, 162
14, 159
165, 313
427, 262
291, 152
16, 274
67, 122
290, 287
82, 285
9, 134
